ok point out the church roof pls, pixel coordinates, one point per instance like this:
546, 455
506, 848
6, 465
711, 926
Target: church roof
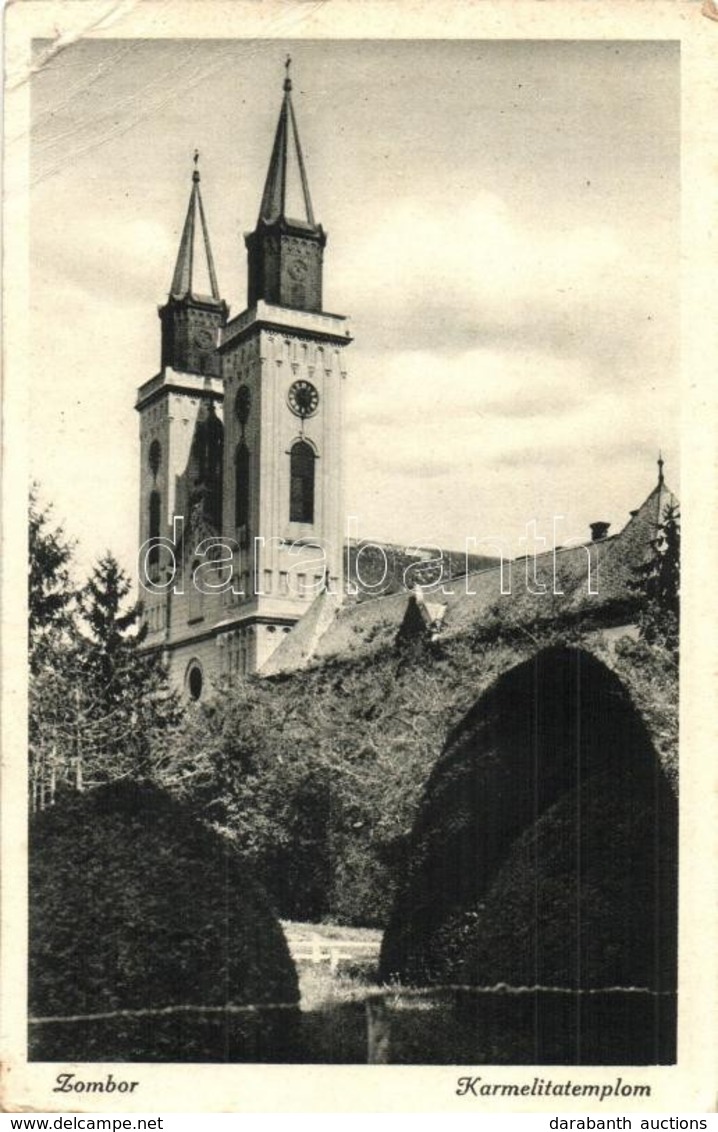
187, 269
347, 630
286, 190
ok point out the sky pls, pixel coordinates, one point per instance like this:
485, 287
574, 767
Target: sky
503, 233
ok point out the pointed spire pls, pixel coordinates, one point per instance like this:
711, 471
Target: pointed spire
184, 272
660, 461
286, 190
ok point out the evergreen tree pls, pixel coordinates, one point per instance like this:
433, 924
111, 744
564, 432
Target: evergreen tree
128, 707
659, 582
100, 707
51, 595
52, 607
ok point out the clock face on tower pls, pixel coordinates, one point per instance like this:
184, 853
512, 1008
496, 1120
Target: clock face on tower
297, 268
204, 339
303, 399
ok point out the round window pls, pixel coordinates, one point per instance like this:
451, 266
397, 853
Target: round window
194, 682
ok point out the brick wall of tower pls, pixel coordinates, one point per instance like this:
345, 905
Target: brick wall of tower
184, 325
304, 293
169, 417
286, 268
229, 654
268, 363
154, 427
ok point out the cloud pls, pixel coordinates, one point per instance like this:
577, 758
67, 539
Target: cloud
479, 260
112, 255
455, 276
416, 386
466, 440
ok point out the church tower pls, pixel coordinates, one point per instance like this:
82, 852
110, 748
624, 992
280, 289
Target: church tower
241, 447
283, 368
181, 430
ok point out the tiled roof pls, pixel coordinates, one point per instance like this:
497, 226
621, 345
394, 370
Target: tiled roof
380, 568
334, 630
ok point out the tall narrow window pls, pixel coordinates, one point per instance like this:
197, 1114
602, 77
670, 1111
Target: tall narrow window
241, 485
155, 513
155, 457
196, 594
301, 500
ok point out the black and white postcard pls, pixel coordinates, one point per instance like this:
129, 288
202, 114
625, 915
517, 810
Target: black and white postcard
358, 634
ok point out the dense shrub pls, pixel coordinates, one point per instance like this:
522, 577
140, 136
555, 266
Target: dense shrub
545, 847
610, 922
134, 905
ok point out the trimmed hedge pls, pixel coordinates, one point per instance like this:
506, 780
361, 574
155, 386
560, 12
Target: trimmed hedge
136, 905
545, 853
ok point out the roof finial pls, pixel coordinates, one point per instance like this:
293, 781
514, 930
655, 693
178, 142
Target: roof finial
287, 79
195, 175
660, 468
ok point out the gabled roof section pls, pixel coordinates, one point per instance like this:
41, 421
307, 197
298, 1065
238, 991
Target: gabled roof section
593, 580
286, 190
639, 532
422, 618
297, 648
188, 269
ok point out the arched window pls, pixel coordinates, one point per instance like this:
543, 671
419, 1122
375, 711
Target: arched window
207, 459
241, 485
155, 457
301, 499
155, 515
196, 593
194, 680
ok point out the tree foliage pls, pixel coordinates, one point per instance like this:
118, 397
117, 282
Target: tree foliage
100, 706
136, 905
51, 593
317, 775
124, 685
659, 583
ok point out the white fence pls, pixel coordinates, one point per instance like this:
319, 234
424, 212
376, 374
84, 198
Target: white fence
319, 949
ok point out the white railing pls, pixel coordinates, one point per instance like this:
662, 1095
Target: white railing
318, 949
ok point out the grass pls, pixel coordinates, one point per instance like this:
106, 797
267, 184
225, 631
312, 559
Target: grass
436, 1029
320, 988
305, 931
334, 1016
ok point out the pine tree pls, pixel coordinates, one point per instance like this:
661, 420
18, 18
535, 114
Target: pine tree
100, 707
128, 708
659, 582
51, 595
52, 608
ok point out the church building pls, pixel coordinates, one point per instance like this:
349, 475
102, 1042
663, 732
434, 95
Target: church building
242, 524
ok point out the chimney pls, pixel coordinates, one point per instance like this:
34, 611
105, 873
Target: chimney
598, 531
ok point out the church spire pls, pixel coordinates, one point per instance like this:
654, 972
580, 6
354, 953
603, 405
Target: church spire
194, 313
286, 248
286, 190
184, 275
